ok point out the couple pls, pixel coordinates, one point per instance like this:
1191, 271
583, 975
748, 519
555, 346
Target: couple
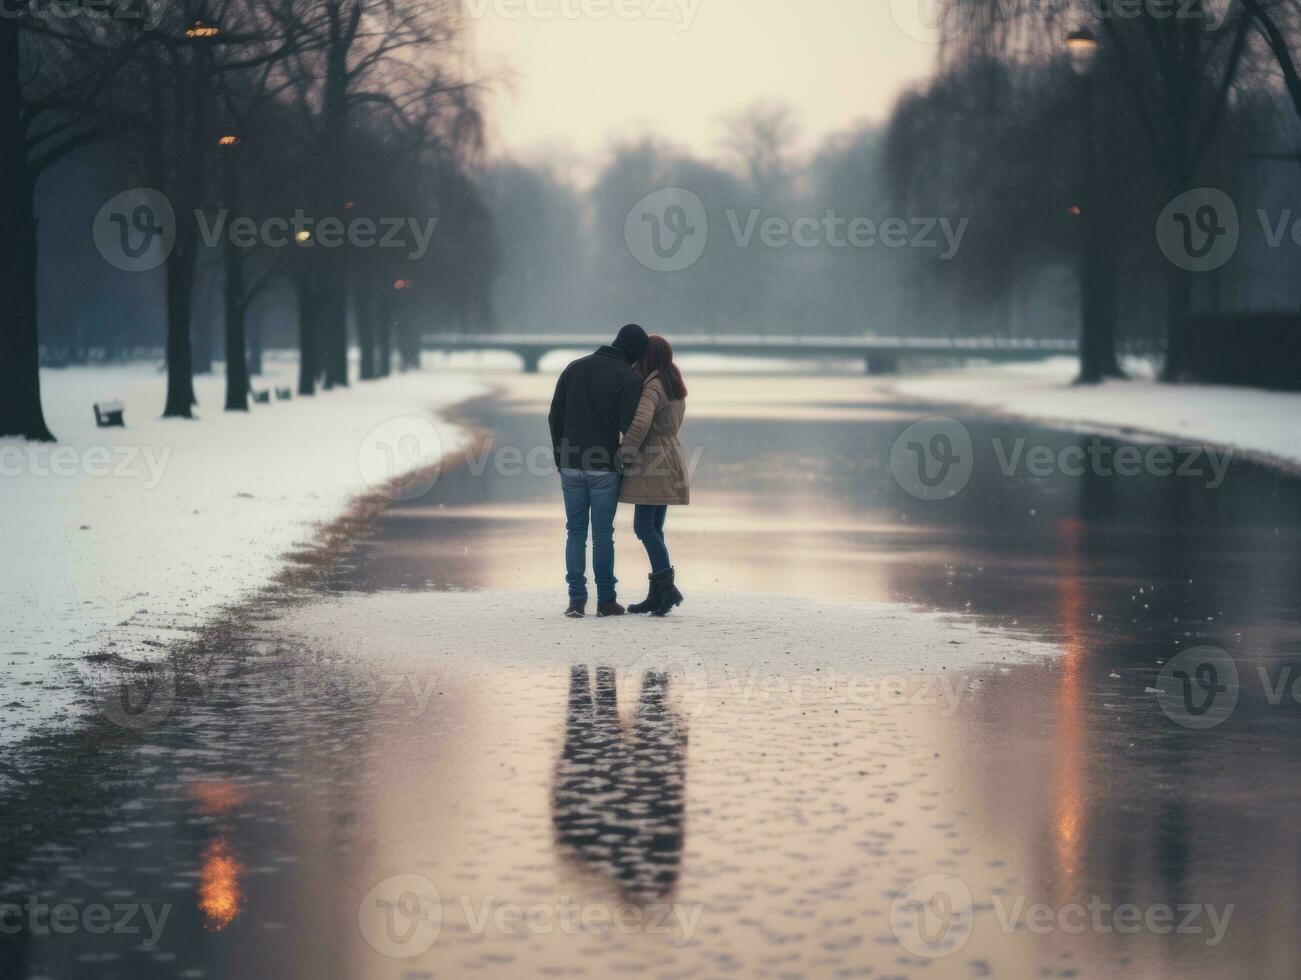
632, 389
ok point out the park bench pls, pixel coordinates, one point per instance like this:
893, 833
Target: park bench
284, 394
261, 397
110, 414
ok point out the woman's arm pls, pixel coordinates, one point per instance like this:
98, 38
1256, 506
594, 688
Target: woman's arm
641, 421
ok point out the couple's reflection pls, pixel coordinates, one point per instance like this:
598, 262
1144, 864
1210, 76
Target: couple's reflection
619, 797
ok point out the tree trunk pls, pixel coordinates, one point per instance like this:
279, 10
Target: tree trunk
384, 319
1179, 298
201, 353
365, 305
1108, 311
1092, 247
237, 383
408, 344
334, 302
180, 294
1179, 289
1181, 169
181, 263
335, 114
306, 334
255, 345
236, 346
20, 376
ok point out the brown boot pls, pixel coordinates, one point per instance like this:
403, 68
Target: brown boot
577, 608
611, 608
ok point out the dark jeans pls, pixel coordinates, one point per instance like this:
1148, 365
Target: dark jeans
594, 495
648, 522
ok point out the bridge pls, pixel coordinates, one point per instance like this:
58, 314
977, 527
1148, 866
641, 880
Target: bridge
880, 354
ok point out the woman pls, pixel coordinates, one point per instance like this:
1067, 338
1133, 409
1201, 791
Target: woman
655, 469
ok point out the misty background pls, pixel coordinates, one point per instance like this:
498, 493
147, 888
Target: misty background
536, 244
987, 127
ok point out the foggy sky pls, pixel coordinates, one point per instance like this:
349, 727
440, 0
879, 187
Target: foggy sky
584, 74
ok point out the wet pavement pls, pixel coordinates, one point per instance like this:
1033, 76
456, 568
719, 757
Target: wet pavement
885, 736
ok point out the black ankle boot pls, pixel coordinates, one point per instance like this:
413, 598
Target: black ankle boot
652, 599
669, 596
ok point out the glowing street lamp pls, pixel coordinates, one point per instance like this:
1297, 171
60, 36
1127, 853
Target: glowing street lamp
228, 141
201, 31
303, 237
1082, 46
402, 284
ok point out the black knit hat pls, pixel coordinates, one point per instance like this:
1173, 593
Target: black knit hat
631, 342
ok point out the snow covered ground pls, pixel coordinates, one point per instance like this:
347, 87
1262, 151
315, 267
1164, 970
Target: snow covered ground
1259, 423
121, 540
715, 646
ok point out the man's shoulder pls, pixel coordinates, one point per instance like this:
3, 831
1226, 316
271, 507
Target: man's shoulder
577, 366
601, 362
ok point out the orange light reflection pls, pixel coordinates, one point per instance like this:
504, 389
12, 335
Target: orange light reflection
1070, 760
220, 896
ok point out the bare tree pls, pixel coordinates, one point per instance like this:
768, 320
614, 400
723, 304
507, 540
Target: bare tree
49, 82
1279, 23
372, 58
1176, 74
762, 139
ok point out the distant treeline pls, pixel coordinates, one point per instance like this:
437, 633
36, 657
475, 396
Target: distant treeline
240, 174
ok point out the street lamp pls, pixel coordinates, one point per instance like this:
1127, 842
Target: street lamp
199, 31
230, 140
1082, 45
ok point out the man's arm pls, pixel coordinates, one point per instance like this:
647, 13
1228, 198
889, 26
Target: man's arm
640, 428
556, 417
629, 397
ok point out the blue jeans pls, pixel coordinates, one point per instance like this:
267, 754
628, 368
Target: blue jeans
594, 495
648, 522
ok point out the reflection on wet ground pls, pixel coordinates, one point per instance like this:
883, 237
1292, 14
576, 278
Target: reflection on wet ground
585, 807
617, 802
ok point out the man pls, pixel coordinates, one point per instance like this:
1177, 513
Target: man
595, 400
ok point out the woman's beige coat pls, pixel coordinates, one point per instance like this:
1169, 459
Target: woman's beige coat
656, 468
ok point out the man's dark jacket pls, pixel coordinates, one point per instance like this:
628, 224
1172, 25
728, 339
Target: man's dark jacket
596, 398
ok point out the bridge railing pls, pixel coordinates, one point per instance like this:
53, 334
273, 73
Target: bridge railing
880, 353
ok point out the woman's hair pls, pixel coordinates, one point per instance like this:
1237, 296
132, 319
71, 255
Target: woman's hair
659, 357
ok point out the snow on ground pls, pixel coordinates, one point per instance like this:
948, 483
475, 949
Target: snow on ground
1256, 422
714, 639
121, 540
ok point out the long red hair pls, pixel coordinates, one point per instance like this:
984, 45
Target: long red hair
659, 357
